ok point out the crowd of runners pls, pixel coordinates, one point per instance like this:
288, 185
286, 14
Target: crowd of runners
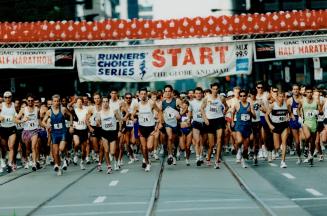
253, 124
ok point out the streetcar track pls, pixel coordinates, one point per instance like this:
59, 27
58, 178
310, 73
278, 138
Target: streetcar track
34, 210
15, 178
262, 205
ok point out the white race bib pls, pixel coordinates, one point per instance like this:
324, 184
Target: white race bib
245, 117
57, 126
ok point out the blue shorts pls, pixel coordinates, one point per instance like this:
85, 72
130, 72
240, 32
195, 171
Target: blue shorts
294, 124
264, 123
136, 129
175, 129
56, 138
185, 131
245, 130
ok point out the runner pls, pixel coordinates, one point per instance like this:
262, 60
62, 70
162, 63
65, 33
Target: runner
147, 125
8, 127
109, 119
244, 112
277, 119
197, 124
213, 110
185, 138
256, 126
56, 114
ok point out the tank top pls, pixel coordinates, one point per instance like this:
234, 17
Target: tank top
93, 118
195, 108
294, 107
263, 100
129, 121
33, 121
108, 120
57, 121
242, 116
256, 107
9, 114
279, 114
80, 122
310, 110
146, 115
214, 108
170, 112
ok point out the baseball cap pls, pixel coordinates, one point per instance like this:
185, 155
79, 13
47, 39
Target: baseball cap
230, 93
222, 94
7, 94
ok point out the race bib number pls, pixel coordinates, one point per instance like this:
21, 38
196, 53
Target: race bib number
184, 118
321, 118
129, 123
81, 123
144, 119
8, 119
213, 108
311, 114
282, 118
57, 126
199, 115
169, 114
245, 117
295, 111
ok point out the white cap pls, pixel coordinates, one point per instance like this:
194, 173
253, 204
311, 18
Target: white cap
7, 94
230, 93
222, 94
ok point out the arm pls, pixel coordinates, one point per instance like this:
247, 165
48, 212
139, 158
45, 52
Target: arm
45, 119
203, 113
88, 116
156, 108
268, 119
66, 111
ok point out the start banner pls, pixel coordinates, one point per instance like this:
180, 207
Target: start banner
162, 63
38, 59
290, 49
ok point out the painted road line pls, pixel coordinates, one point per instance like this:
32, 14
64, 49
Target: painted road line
309, 198
272, 164
205, 201
124, 171
100, 199
97, 213
314, 192
288, 175
113, 183
207, 209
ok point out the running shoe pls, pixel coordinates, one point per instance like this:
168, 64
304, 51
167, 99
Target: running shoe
147, 168
131, 160
217, 165
269, 156
64, 165
299, 161
143, 164
87, 159
238, 156
170, 160
156, 157
198, 162
311, 161
34, 167
283, 164
208, 163
321, 157
81, 164
38, 165
56, 168
243, 163
26, 166
116, 166
75, 160
255, 162
99, 167
9, 168
174, 161
2, 163
59, 173
109, 170
187, 161
1, 169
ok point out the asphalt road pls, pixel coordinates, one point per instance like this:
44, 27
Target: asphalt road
181, 190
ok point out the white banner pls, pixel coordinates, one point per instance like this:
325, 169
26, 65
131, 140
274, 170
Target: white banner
291, 49
162, 63
45, 59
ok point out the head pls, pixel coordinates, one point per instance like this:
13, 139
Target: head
274, 91
198, 93
85, 100
105, 102
236, 91
207, 92
128, 98
97, 98
17, 104
295, 90
280, 96
214, 89
114, 94
49, 103
37, 102
56, 100
259, 87
143, 94
64, 101
185, 104
80, 102
30, 100
168, 91
253, 94
190, 94
243, 95
302, 90
154, 95
7, 97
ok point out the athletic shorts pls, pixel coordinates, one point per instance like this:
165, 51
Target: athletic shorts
96, 133
5, 133
245, 130
110, 135
127, 129
264, 123
279, 127
294, 124
82, 134
320, 127
215, 124
232, 128
175, 129
28, 134
43, 134
56, 138
199, 126
146, 131
325, 121
185, 131
256, 126
136, 129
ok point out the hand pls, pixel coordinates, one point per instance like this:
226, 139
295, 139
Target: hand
271, 128
1, 118
232, 124
91, 129
71, 129
206, 121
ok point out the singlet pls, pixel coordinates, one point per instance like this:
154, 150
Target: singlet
9, 115
33, 121
108, 120
129, 121
114, 105
214, 108
170, 112
279, 114
57, 122
93, 118
263, 100
256, 107
80, 122
310, 111
146, 115
242, 116
195, 108
294, 107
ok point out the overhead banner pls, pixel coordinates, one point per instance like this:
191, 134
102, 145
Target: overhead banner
38, 59
290, 49
162, 63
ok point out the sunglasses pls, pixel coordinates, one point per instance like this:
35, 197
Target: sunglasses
242, 95
275, 91
259, 87
128, 98
30, 100
7, 97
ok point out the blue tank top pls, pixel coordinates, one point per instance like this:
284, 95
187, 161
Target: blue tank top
172, 104
57, 122
294, 107
242, 116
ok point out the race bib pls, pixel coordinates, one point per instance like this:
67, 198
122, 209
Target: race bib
321, 118
144, 118
57, 126
199, 115
295, 111
245, 117
213, 108
8, 119
282, 118
311, 114
129, 123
